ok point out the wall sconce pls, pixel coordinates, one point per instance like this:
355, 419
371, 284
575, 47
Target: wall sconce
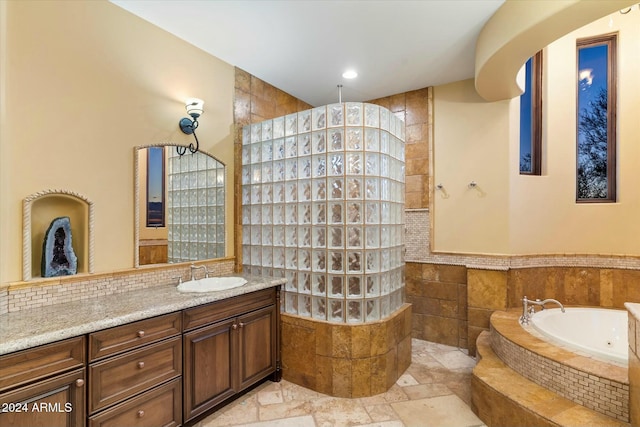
188, 126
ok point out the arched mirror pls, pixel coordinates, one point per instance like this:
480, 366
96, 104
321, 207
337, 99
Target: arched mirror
179, 206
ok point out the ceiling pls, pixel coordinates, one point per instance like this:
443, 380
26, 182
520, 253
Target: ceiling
303, 47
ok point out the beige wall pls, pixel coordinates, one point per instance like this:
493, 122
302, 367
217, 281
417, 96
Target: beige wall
82, 84
514, 214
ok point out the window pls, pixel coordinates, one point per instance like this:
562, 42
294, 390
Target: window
596, 127
531, 118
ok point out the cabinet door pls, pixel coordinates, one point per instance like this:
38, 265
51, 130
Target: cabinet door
210, 368
257, 345
56, 402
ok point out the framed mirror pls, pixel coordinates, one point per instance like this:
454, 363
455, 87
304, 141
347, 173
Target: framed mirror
179, 205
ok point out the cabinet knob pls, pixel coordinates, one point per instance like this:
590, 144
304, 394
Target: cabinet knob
140, 365
241, 325
234, 326
140, 413
140, 334
79, 382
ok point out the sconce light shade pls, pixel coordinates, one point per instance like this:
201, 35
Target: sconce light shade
194, 107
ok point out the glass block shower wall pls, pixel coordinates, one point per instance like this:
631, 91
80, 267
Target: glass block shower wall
323, 206
195, 207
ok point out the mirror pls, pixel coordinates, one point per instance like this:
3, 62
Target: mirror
179, 206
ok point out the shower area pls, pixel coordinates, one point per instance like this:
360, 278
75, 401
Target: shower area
323, 206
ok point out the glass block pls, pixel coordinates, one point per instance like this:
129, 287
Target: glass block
304, 167
372, 164
336, 264
354, 237
319, 164
319, 190
278, 257
354, 312
304, 237
246, 134
371, 115
291, 169
384, 142
385, 236
371, 191
384, 118
319, 118
246, 235
336, 288
304, 305
256, 254
256, 132
278, 214
385, 285
256, 153
291, 236
385, 260
385, 306
304, 121
267, 150
278, 149
291, 191
385, 213
372, 236
278, 171
319, 308
256, 215
319, 142
372, 285
336, 311
354, 262
246, 195
336, 115
291, 124
291, 214
354, 213
304, 144
291, 259
304, 262
278, 127
319, 237
267, 236
267, 172
291, 147
335, 139
319, 261
319, 284
267, 130
354, 138
372, 261
267, 257
354, 287
304, 213
267, 193
336, 188
335, 237
336, 164
291, 303
385, 189
335, 213
246, 155
354, 188
372, 215
319, 213
372, 312
256, 194
354, 113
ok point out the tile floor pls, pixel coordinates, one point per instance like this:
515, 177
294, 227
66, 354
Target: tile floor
434, 391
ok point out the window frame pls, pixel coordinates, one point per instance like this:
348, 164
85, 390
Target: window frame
536, 117
611, 40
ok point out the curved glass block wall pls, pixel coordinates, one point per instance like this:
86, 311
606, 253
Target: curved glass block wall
323, 206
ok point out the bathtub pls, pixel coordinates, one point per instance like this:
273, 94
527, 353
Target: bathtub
599, 332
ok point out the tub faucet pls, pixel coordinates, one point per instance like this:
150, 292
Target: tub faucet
194, 267
528, 311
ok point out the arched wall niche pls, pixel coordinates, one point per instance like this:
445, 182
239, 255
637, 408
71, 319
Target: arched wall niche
39, 210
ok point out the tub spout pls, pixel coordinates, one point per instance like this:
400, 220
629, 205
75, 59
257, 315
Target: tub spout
528, 311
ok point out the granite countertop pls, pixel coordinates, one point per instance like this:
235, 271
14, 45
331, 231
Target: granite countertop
37, 326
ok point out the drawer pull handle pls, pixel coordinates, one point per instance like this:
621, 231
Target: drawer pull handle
140, 334
140, 365
234, 326
140, 414
79, 382
241, 325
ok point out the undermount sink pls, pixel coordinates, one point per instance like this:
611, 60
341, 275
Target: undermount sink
211, 284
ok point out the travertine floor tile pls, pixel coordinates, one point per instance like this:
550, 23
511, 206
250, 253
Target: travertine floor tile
442, 411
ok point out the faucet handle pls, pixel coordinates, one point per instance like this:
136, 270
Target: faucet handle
178, 278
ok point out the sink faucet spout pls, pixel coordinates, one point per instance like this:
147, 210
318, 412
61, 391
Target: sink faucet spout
194, 267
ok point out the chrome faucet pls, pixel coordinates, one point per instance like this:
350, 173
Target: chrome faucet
528, 311
194, 267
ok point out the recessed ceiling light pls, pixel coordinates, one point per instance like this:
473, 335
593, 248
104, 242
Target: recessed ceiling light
350, 74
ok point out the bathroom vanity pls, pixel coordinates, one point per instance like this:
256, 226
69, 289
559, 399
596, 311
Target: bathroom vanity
164, 369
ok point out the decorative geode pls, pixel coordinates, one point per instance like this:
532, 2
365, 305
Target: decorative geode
58, 258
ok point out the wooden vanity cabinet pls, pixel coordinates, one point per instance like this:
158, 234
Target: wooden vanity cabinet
44, 386
229, 346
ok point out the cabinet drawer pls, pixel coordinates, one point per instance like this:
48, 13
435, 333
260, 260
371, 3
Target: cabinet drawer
40, 362
133, 335
158, 407
121, 377
231, 307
